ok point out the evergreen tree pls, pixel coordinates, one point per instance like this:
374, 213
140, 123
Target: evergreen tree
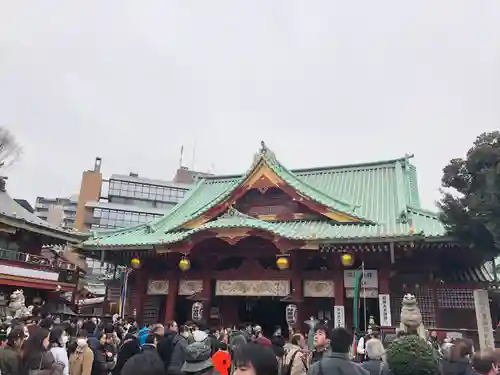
471, 203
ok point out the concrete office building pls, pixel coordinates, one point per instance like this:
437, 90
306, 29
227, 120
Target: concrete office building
58, 212
123, 201
127, 200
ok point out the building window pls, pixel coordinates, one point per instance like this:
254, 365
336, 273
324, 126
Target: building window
144, 191
120, 219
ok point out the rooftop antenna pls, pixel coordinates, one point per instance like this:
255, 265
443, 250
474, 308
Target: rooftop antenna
194, 155
182, 154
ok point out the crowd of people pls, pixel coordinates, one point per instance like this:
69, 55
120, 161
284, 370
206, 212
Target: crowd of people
92, 347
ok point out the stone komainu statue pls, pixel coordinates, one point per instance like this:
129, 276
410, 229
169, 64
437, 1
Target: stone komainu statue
411, 318
17, 307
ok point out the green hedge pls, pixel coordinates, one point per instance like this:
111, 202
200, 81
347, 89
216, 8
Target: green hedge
410, 355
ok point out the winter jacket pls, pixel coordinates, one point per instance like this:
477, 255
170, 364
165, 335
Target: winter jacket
101, 366
375, 367
9, 361
93, 342
294, 360
81, 361
336, 364
320, 354
43, 364
460, 367
61, 356
165, 348
129, 348
178, 358
143, 333
148, 359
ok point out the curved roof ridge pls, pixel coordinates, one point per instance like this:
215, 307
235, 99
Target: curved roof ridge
355, 165
320, 169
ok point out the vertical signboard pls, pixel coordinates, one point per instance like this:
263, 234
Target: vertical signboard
339, 316
483, 316
384, 302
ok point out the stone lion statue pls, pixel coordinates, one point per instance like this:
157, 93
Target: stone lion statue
411, 318
17, 307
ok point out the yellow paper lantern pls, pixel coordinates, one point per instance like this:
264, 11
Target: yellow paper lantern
347, 260
282, 263
184, 264
135, 263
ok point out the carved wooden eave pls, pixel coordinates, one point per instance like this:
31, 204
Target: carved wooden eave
234, 235
262, 178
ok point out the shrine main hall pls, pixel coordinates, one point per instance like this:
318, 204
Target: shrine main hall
245, 246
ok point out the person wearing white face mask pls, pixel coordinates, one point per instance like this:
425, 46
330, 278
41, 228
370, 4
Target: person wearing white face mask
57, 344
80, 362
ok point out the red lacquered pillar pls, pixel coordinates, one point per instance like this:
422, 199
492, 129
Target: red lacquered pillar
173, 287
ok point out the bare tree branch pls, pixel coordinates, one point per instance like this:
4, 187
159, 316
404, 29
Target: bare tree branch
10, 150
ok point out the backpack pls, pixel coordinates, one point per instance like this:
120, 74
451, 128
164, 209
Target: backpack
286, 368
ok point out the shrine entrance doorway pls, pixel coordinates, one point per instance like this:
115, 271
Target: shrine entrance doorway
267, 312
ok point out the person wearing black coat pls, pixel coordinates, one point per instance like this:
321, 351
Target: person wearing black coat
130, 347
148, 361
101, 365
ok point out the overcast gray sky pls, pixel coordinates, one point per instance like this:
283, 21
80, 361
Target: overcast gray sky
322, 82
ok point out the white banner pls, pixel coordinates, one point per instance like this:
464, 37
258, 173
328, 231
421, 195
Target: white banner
369, 279
384, 303
339, 316
483, 316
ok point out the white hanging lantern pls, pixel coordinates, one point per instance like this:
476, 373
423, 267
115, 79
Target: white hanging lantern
291, 314
197, 311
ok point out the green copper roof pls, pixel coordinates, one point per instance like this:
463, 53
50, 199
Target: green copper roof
383, 195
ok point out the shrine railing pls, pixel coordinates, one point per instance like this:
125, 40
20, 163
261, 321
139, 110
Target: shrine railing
36, 260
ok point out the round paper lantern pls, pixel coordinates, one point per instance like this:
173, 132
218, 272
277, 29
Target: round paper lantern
282, 263
135, 263
347, 260
184, 264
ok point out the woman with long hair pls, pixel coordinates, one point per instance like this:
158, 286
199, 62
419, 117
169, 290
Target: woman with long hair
58, 339
36, 356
